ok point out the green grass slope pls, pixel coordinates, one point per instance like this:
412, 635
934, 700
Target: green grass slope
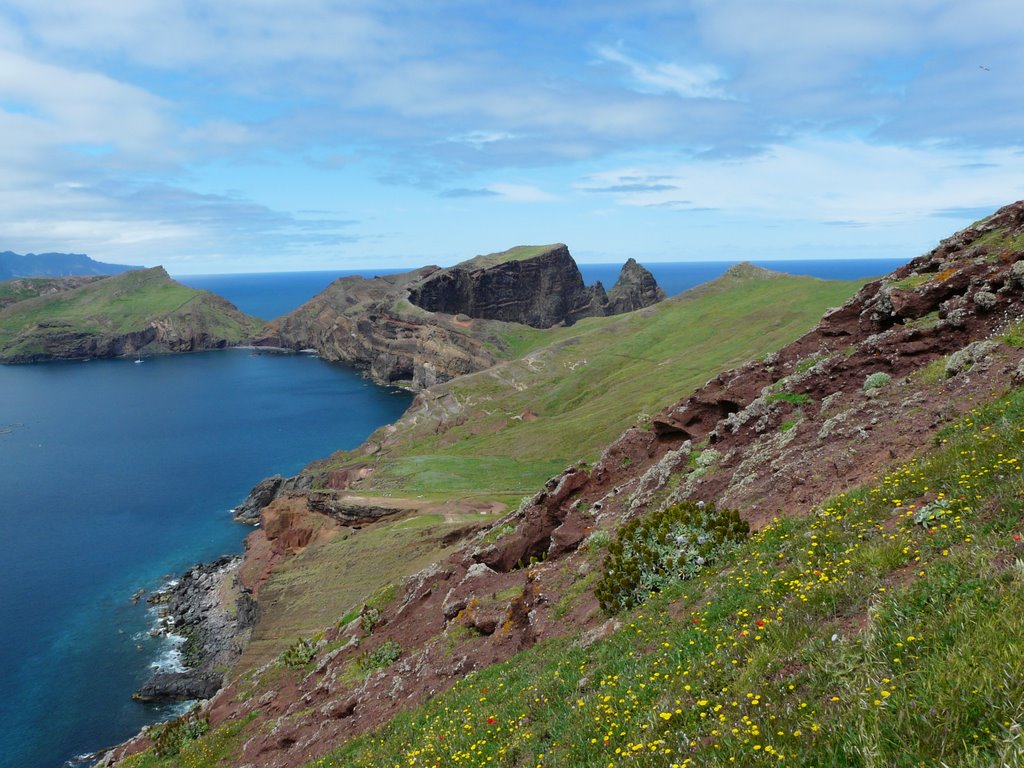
573, 390
882, 631
114, 306
20, 289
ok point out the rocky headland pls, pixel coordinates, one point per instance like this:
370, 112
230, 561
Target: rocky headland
426, 326
137, 312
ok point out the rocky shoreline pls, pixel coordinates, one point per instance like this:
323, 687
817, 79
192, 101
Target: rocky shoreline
214, 614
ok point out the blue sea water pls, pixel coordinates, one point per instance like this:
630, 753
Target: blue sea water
114, 475
269, 295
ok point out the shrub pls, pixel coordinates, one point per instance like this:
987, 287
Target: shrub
793, 398
597, 540
384, 655
174, 735
876, 380
299, 653
665, 547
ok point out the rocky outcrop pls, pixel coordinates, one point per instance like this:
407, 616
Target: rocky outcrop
264, 492
370, 324
635, 289
541, 291
214, 614
424, 327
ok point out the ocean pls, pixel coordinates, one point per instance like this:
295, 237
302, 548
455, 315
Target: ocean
116, 476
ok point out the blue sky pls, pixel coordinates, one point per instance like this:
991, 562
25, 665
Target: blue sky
256, 135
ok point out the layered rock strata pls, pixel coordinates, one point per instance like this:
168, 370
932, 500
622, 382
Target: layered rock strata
430, 325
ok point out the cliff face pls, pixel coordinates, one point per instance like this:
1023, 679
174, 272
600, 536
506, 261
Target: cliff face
144, 311
541, 291
371, 325
430, 325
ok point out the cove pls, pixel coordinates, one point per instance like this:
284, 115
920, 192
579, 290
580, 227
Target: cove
114, 476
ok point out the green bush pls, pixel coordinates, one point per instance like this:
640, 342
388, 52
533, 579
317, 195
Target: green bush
793, 398
299, 653
876, 380
384, 655
665, 547
173, 736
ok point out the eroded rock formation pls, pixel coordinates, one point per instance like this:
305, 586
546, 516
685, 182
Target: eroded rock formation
430, 325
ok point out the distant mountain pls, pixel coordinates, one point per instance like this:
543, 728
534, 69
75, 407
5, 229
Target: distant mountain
14, 265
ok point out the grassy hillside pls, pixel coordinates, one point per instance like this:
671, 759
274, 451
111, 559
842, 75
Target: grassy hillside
115, 306
573, 390
883, 630
12, 291
585, 385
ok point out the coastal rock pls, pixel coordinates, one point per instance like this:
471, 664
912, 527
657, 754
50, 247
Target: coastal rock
180, 686
264, 492
427, 326
635, 289
214, 613
541, 291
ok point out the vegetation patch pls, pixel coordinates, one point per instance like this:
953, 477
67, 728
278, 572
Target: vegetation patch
910, 282
877, 381
170, 738
661, 548
300, 653
793, 398
386, 654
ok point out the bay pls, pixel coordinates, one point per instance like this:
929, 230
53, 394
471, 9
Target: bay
114, 475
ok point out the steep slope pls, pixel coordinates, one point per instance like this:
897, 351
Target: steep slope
506, 429
14, 265
20, 289
313, 560
430, 325
140, 311
834, 636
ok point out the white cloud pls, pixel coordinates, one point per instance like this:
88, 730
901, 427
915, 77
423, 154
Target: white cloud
478, 138
697, 82
828, 180
522, 193
65, 106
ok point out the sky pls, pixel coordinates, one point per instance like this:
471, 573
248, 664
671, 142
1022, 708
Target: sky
258, 135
